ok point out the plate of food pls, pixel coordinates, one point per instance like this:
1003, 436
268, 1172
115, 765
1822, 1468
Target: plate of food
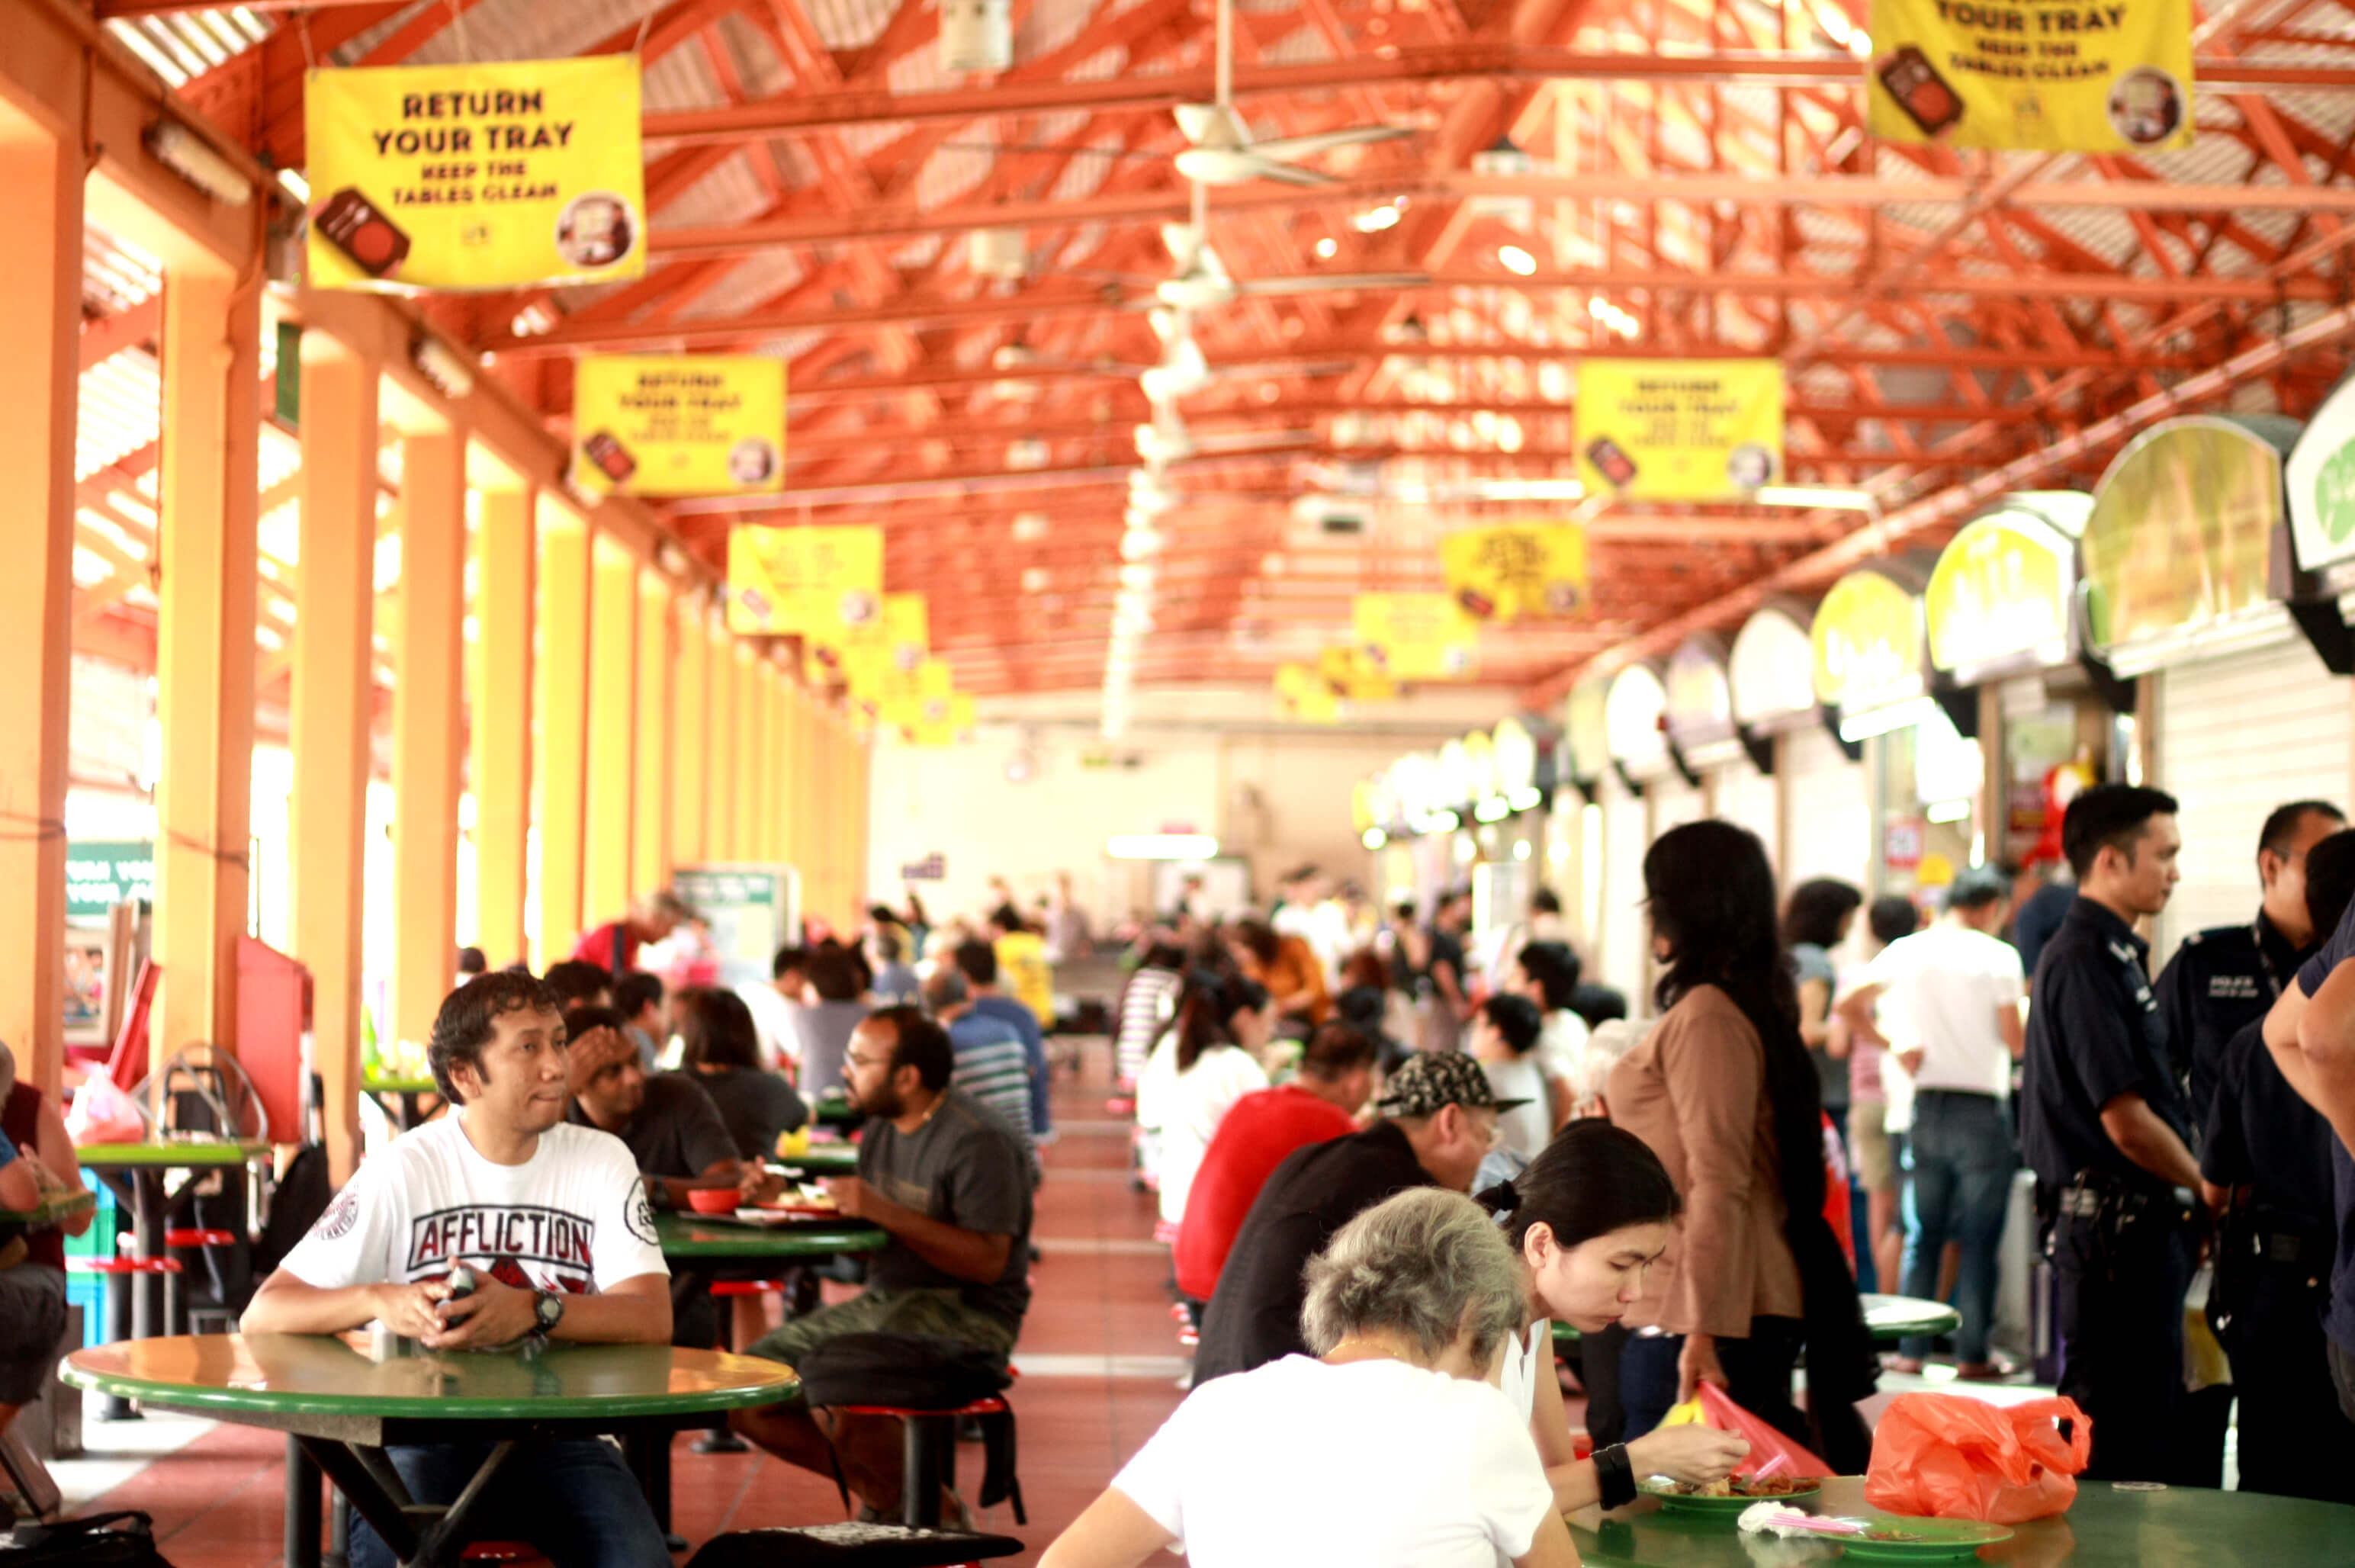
1729, 1496
1889, 1537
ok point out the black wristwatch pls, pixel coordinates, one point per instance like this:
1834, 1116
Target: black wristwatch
547, 1312
1615, 1474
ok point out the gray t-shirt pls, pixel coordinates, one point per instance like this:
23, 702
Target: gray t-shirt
677, 1130
1813, 964
965, 1166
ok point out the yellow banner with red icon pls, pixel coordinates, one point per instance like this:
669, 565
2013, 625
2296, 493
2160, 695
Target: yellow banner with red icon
1680, 430
1415, 636
2087, 76
684, 424
1517, 570
475, 176
823, 583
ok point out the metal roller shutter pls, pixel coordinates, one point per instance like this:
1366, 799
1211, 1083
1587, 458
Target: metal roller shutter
1828, 803
1747, 798
2237, 737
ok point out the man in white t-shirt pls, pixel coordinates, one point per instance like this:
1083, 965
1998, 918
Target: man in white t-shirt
1946, 1002
1310, 913
551, 1224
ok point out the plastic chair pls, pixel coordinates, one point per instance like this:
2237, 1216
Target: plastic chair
928, 1453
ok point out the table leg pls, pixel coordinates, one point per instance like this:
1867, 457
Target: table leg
147, 1242
418, 1537
386, 1511
339, 1529
301, 1508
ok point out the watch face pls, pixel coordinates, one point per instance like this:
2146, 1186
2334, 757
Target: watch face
549, 1306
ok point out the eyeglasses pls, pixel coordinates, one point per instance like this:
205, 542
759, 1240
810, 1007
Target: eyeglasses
852, 1059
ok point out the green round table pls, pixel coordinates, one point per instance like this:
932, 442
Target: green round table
705, 1237
820, 1159
1888, 1319
141, 1169
2106, 1528
342, 1403
833, 1110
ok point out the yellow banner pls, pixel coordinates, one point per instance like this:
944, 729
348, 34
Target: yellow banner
1304, 693
1415, 636
1680, 430
679, 425
936, 720
2104, 76
1517, 570
475, 176
1354, 678
826, 583
894, 643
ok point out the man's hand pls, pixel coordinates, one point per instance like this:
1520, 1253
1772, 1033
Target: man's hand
853, 1197
411, 1310
1691, 1452
1911, 1060
1697, 1364
494, 1314
759, 1184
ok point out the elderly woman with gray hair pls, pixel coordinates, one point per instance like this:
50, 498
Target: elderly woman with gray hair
1391, 1449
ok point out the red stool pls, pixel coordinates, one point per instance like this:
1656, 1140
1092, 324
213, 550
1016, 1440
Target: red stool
729, 1288
197, 1241
200, 1238
720, 1437
168, 1267
928, 1453
505, 1552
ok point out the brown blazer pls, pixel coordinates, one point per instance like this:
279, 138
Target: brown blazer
1695, 1091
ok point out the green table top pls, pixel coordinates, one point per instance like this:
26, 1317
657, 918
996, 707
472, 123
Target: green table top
2107, 1529
833, 1110
1888, 1318
177, 1155
336, 1375
822, 1159
400, 1086
55, 1210
695, 1236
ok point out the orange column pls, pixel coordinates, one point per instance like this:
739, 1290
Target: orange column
40, 276
204, 648
752, 675
718, 765
334, 704
428, 736
562, 769
650, 846
612, 733
690, 737
499, 726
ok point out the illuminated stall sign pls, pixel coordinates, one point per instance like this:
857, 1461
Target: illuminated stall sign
2001, 594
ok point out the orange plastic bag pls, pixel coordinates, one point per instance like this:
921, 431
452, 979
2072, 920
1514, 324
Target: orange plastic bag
1767, 1442
1942, 1456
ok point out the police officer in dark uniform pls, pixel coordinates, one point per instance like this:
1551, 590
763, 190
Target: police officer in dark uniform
2266, 1162
2220, 980
2104, 1126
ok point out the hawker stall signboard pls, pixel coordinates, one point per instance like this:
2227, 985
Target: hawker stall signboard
2321, 476
1680, 430
1517, 570
2073, 76
679, 425
1414, 636
475, 176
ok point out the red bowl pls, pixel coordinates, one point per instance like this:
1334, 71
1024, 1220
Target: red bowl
714, 1201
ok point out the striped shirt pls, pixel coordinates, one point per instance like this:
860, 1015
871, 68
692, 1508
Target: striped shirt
993, 1068
1145, 1010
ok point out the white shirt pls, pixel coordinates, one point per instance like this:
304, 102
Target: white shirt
1941, 990
1191, 1105
1374, 1463
773, 1021
1324, 928
1525, 1359
572, 1218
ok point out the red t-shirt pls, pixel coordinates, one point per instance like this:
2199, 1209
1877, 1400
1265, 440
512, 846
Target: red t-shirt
597, 946
1250, 1142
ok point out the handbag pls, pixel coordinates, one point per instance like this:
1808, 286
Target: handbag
121, 1540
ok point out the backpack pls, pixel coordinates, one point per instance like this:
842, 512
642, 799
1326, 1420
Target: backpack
125, 1539
919, 1371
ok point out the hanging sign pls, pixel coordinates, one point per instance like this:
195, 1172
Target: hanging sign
1354, 678
2181, 536
703, 424
475, 176
1866, 640
1517, 570
1680, 430
1415, 636
2321, 476
2003, 586
937, 721
826, 583
1302, 692
2093, 76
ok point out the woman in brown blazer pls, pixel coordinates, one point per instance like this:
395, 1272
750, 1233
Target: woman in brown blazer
1723, 1092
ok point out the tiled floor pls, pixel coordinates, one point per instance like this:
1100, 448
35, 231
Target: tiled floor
1098, 1357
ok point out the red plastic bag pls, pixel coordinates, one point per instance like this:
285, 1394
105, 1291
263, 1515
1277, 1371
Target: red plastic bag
1942, 1456
1767, 1442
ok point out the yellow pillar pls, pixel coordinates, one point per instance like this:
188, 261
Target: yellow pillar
334, 703
204, 650
428, 735
563, 760
809, 812
862, 753
772, 750
40, 276
499, 726
720, 764
613, 726
650, 844
756, 763
828, 760
742, 842
690, 739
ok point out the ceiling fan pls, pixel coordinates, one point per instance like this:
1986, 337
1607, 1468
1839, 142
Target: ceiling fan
1219, 150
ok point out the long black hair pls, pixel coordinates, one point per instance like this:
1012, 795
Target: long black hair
1712, 904
1712, 895
1205, 1003
1592, 1180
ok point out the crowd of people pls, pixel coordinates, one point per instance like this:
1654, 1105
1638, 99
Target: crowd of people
1389, 1158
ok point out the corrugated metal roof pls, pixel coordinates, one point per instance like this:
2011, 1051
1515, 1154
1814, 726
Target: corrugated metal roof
183, 46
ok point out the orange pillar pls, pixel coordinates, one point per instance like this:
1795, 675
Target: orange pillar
612, 732
499, 725
563, 760
429, 736
690, 737
719, 761
650, 856
204, 648
334, 706
40, 276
